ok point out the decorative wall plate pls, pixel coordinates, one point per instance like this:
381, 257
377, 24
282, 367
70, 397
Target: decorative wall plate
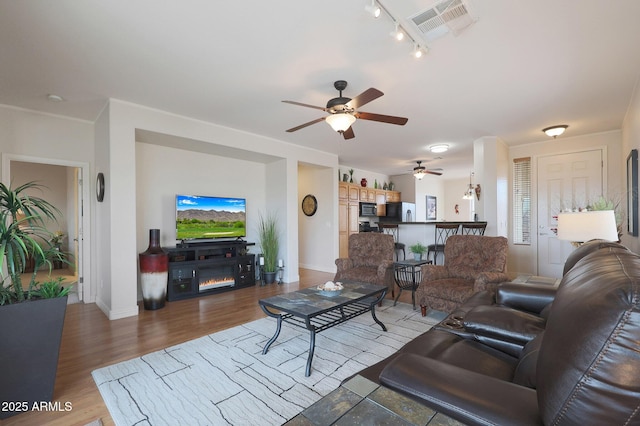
309, 205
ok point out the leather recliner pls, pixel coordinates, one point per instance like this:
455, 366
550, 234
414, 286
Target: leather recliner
584, 368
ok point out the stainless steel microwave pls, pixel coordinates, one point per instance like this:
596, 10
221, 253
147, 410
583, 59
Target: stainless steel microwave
368, 209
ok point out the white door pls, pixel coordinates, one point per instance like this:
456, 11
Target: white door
565, 181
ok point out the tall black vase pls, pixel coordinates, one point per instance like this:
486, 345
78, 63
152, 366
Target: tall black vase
154, 264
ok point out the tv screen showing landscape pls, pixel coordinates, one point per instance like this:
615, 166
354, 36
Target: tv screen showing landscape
202, 217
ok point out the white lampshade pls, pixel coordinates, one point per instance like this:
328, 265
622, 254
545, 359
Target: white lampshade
340, 121
585, 226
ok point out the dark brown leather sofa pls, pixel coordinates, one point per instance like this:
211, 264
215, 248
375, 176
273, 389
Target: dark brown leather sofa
579, 365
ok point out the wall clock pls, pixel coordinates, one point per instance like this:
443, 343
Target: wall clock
309, 205
100, 187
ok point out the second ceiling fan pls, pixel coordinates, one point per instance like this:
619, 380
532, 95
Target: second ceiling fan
343, 111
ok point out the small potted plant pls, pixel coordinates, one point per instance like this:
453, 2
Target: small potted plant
418, 249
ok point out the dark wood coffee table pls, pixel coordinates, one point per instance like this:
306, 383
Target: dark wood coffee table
311, 310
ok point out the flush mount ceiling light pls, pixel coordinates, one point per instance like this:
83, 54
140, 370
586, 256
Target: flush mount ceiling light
373, 9
397, 34
54, 98
436, 149
555, 131
340, 122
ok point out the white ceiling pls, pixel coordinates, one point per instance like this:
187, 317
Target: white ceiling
522, 66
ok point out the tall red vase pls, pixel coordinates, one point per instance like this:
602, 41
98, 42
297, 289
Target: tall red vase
154, 264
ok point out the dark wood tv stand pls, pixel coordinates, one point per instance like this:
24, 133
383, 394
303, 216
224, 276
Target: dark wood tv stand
198, 269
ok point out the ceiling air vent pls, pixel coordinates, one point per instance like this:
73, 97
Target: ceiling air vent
444, 16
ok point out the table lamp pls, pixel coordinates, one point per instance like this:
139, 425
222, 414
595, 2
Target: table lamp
584, 226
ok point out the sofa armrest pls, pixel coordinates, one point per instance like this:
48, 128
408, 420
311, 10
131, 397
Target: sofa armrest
503, 323
470, 397
525, 297
344, 263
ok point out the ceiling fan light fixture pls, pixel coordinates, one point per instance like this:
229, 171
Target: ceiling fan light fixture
437, 149
340, 121
419, 171
555, 131
373, 9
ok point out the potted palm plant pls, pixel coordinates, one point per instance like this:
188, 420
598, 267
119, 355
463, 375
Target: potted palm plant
31, 314
269, 236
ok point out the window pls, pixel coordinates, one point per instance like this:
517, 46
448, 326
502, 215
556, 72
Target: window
522, 200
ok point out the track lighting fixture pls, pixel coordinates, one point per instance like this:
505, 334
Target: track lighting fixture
373, 9
555, 131
376, 8
397, 34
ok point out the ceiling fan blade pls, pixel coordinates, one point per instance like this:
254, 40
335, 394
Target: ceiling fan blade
364, 98
401, 121
348, 134
317, 120
305, 105
431, 172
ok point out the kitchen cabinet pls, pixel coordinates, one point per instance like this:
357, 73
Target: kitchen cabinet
349, 197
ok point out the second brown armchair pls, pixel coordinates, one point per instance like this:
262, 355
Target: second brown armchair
370, 259
472, 263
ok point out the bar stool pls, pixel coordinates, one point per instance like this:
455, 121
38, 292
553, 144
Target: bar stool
473, 228
443, 231
392, 229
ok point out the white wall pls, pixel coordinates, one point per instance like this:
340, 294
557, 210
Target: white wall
315, 251
118, 126
62, 140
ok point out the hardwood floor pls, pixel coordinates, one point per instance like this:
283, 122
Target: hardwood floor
91, 341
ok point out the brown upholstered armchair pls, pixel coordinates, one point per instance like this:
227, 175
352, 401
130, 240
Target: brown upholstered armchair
472, 263
370, 259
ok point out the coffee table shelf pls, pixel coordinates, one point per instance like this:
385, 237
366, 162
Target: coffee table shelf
310, 310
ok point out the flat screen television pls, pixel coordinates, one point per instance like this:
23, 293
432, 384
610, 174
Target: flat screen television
204, 217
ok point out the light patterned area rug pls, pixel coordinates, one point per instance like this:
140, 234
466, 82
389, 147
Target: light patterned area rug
223, 378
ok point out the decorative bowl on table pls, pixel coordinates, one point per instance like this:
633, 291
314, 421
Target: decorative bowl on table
330, 289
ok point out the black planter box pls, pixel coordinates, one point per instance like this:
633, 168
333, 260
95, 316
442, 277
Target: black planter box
30, 335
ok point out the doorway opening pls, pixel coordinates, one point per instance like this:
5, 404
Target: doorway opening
65, 190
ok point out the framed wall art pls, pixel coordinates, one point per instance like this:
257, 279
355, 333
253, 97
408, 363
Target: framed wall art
432, 207
632, 193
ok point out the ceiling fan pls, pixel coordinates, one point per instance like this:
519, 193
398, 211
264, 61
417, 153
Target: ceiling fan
343, 111
420, 171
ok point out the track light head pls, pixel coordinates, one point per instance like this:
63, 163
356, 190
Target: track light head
373, 9
397, 34
418, 51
